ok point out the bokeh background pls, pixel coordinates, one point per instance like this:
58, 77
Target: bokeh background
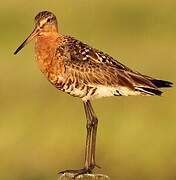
42, 130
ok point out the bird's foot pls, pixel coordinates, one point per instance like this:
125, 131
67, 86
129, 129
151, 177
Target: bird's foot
78, 172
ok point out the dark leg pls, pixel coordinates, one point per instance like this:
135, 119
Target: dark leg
88, 154
94, 124
91, 126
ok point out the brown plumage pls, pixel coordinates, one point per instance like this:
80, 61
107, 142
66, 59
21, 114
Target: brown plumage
85, 72
75, 65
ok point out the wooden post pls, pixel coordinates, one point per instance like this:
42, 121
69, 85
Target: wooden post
69, 176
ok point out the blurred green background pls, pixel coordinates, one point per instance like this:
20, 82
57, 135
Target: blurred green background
43, 131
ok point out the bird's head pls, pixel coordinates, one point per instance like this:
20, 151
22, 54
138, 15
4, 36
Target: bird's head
45, 22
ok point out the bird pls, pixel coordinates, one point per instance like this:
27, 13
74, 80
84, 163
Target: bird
85, 72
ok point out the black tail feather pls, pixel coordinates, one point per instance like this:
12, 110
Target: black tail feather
161, 83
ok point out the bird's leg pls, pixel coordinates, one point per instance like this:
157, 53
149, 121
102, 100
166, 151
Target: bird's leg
88, 138
90, 142
91, 126
94, 124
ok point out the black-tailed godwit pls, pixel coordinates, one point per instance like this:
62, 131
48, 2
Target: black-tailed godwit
85, 72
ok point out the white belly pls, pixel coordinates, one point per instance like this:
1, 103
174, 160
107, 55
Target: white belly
103, 91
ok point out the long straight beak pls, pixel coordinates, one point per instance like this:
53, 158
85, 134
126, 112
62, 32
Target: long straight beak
29, 38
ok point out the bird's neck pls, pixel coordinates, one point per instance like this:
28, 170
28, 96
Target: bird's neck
45, 48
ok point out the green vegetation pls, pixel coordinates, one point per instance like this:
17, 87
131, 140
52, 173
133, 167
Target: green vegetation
42, 130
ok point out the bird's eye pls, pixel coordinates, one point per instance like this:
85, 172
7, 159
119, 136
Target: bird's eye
48, 20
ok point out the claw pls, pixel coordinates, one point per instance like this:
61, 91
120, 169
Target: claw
77, 172
82, 171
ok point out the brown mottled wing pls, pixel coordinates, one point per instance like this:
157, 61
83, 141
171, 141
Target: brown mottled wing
93, 67
82, 52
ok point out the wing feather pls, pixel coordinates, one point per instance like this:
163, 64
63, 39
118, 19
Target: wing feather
93, 67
